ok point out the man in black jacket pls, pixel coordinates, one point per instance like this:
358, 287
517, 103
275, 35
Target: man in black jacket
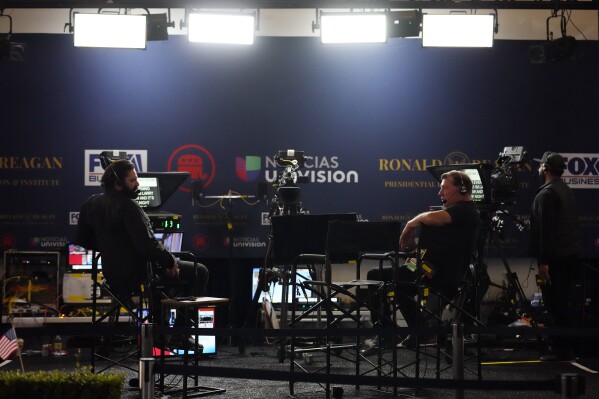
114, 224
555, 242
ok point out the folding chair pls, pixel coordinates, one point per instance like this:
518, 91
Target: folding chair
142, 306
299, 240
435, 289
137, 310
347, 242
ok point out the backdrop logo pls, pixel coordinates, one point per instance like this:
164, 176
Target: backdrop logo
31, 162
248, 168
201, 242
73, 218
582, 170
248, 242
316, 169
7, 241
94, 170
193, 159
49, 242
456, 157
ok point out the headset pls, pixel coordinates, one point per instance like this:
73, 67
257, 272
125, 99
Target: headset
111, 167
463, 188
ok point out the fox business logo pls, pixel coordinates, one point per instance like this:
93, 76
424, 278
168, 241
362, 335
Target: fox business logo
94, 170
582, 170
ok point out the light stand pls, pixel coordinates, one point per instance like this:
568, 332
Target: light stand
226, 202
286, 201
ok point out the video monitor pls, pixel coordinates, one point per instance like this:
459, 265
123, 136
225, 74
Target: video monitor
479, 173
80, 260
171, 241
206, 318
275, 292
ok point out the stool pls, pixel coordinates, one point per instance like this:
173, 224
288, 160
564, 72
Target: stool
186, 304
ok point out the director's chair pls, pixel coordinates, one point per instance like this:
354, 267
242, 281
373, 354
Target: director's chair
441, 297
348, 242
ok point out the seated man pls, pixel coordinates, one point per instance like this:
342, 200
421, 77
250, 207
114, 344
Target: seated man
116, 226
449, 253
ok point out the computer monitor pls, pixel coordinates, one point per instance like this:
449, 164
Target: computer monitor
275, 291
172, 241
80, 260
206, 319
479, 173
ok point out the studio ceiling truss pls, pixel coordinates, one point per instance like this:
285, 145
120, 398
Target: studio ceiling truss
320, 4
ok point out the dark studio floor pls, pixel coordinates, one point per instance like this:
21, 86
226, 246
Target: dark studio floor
508, 361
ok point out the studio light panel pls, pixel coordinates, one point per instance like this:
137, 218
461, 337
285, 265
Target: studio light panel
353, 28
457, 30
110, 30
221, 28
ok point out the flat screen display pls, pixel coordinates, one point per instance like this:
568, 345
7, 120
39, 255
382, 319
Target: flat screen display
171, 241
275, 291
206, 319
80, 259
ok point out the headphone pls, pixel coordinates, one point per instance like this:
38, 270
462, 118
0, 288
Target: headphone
463, 188
111, 167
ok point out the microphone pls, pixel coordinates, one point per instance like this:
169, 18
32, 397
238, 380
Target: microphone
445, 200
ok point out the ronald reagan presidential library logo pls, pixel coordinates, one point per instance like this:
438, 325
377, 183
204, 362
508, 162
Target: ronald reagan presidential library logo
93, 166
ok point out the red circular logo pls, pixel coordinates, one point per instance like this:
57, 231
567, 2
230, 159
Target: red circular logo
7, 241
201, 242
193, 159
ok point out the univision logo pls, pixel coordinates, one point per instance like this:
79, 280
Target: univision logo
248, 168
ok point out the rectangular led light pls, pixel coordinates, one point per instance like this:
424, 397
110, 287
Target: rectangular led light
353, 28
110, 30
457, 30
221, 28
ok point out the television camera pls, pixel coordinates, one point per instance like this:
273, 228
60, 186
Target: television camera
287, 196
493, 186
504, 178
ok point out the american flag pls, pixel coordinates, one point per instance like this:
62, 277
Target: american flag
8, 343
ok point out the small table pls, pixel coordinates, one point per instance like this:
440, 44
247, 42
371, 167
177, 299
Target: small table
187, 303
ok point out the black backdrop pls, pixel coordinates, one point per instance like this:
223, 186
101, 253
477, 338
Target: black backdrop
371, 117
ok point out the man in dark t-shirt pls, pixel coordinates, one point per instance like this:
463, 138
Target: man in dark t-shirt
449, 236
556, 243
